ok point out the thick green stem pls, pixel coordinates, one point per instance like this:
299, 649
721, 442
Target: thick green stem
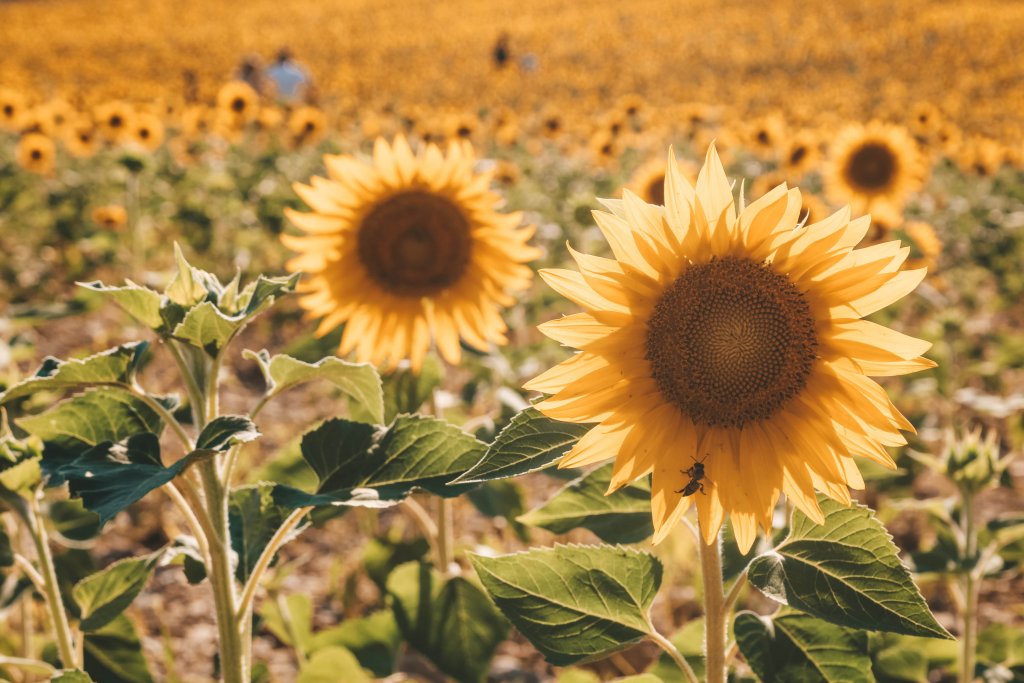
714, 611
971, 580
51, 590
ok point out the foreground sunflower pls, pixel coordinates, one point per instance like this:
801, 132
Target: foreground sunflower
405, 247
735, 341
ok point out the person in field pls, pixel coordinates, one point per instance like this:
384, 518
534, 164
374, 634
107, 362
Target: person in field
291, 82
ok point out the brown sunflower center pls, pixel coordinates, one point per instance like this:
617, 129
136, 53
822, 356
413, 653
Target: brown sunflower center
116, 121
871, 166
415, 243
730, 342
238, 105
36, 154
797, 154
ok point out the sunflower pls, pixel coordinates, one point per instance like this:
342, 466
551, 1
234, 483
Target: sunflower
927, 241
111, 216
765, 135
732, 340
13, 107
800, 154
306, 125
114, 120
80, 138
406, 246
36, 153
147, 131
196, 121
874, 168
648, 181
237, 103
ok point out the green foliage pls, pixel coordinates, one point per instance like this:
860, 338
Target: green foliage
225, 431
373, 639
253, 518
72, 521
332, 664
358, 381
115, 366
845, 571
290, 619
790, 646
364, 465
113, 654
449, 620
531, 441
574, 602
406, 391
102, 596
504, 499
689, 640
620, 517
383, 554
76, 676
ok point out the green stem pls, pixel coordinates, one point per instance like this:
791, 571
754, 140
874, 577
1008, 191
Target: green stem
445, 536
714, 611
27, 664
244, 609
673, 652
968, 641
51, 589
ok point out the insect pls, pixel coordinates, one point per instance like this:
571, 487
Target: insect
696, 475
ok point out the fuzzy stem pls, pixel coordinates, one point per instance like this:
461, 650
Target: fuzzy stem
673, 652
51, 590
714, 611
971, 581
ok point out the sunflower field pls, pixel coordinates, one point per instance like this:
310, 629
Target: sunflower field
354, 340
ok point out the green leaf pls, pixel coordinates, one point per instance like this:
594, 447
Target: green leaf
21, 478
621, 517
76, 425
189, 285
111, 367
330, 665
113, 654
184, 550
72, 521
845, 571
139, 302
450, 621
104, 595
503, 500
1001, 644
689, 640
253, 518
359, 381
110, 477
796, 647
207, 328
574, 602
898, 661
225, 431
373, 639
290, 619
531, 441
382, 555
406, 391
363, 465
639, 678
260, 294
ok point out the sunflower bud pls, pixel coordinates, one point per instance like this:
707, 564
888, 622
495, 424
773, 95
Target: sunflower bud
973, 463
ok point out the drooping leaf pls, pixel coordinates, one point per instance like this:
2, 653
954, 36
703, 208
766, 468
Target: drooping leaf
139, 302
531, 441
81, 423
373, 639
221, 433
114, 366
110, 477
72, 521
113, 654
845, 571
330, 665
450, 621
797, 647
359, 381
104, 595
363, 465
253, 518
621, 517
184, 550
574, 602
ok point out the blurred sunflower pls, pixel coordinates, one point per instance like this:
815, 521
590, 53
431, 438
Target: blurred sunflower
765, 135
196, 121
80, 138
237, 103
926, 240
306, 125
873, 168
57, 116
147, 131
13, 107
405, 247
732, 340
800, 154
36, 153
114, 120
981, 156
111, 217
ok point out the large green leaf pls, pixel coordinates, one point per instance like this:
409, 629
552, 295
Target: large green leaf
113, 654
104, 595
207, 328
450, 621
79, 424
531, 441
139, 302
359, 381
621, 517
111, 367
574, 602
223, 432
330, 665
373, 639
360, 464
254, 518
110, 477
845, 571
792, 647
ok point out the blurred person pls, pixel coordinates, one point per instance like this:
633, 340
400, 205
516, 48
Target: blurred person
290, 80
191, 83
250, 72
501, 53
